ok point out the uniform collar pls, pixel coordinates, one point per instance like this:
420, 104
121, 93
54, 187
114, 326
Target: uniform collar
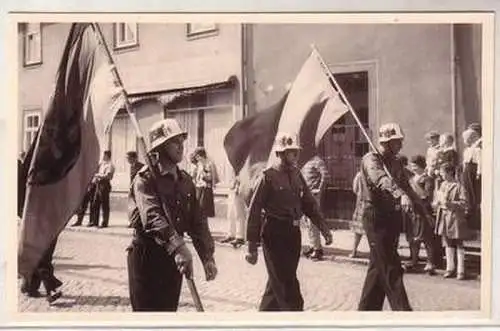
173, 172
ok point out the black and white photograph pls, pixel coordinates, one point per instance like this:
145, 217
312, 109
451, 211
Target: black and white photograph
273, 163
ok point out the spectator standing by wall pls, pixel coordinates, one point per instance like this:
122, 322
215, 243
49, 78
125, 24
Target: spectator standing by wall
236, 215
471, 176
103, 187
315, 174
205, 180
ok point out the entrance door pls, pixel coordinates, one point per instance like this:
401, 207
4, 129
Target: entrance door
344, 145
123, 140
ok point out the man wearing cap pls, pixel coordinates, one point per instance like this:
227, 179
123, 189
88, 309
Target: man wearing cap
158, 255
283, 197
382, 196
102, 180
134, 163
135, 166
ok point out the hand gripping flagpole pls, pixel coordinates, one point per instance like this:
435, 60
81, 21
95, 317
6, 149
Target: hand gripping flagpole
337, 88
143, 149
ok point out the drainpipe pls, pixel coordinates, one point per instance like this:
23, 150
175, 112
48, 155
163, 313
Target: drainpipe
243, 73
453, 63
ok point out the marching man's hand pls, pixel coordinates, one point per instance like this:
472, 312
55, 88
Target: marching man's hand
184, 261
210, 269
406, 203
252, 255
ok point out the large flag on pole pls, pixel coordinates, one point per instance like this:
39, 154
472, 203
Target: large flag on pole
312, 104
308, 110
65, 155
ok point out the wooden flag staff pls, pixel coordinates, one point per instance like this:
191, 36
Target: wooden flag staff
143, 149
337, 88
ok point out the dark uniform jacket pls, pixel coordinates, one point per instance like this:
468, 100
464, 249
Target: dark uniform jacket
179, 196
377, 190
281, 194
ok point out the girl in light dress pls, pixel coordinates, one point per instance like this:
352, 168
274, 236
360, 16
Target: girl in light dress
450, 203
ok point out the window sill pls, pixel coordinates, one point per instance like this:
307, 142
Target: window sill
201, 35
32, 65
126, 48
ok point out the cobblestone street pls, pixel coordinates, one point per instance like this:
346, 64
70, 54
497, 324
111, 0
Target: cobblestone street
92, 265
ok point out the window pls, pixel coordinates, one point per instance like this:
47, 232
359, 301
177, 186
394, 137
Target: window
125, 35
31, 125
207, 116
201, 29
344, 145
32, 44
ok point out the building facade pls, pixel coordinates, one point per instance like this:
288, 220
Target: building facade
194, 70
425, 77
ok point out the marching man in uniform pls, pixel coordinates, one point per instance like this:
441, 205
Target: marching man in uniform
158, 255
382, 199
283, 196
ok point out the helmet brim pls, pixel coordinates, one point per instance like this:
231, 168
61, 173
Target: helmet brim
397, 137
162, 141
291, 148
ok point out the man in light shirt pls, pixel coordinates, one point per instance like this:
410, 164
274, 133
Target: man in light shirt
102, 179
431, 157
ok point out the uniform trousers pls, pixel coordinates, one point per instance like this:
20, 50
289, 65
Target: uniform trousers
281, 244
384, 277
154, 281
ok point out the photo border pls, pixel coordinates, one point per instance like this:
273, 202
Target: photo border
306, 319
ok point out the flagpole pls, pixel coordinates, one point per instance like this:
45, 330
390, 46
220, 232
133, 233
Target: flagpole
346, 101
143, 147
327, 70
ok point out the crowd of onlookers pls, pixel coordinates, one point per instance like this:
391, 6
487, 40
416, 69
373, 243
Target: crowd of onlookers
448, 189
447, 192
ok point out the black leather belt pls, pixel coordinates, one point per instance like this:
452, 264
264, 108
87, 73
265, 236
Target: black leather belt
293, 222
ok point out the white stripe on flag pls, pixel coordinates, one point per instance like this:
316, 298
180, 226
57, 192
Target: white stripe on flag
310, 88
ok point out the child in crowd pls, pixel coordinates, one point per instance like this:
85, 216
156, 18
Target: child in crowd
357, 217
451, 204
432, 139
447, 150
420, 224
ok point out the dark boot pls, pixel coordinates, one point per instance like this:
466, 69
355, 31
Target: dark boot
317, 255
237, 243
227, 239
308, 251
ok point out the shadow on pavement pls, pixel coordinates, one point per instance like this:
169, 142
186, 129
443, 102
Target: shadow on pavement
69, 301
67, 266
63, 257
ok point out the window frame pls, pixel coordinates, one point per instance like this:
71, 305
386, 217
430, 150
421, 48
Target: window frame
201, 32
28, 62
118, 44
30, 130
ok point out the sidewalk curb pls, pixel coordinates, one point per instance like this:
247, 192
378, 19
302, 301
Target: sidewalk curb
331, 254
